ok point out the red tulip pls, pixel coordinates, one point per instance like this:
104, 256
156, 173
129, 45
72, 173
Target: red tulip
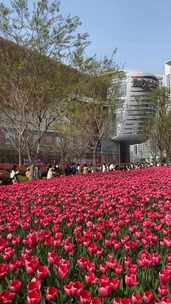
42, 272
130, 280
3, 270
73, 288
96, 301
85, 297
168, 220
163, 291
34, 285
112, 220
51, 293
31, 265
90, 278
8, 253
52, 257
126, 301
15, 264
7, 296
116, 301
164, 301
103, 267
121, 301
15, 285
114, 283
63, 270
105, 290
148, 296
164, 277
34, 297
136, 298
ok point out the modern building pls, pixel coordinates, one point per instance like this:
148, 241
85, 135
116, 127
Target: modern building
167, 78
141, 152
167, 74
133, 111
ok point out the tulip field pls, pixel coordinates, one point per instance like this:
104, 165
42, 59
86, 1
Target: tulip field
99, 238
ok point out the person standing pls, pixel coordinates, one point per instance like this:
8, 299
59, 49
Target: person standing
36, 172
111, 167
85, 169
78, 168
103, 168
30, 173
50, 173
13, 174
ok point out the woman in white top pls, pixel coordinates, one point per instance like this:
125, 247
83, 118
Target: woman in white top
30, 172
50, 173
13, 174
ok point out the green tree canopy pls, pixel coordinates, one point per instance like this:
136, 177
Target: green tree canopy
39, 25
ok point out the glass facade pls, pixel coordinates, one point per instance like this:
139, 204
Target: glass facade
134, 108
167, 79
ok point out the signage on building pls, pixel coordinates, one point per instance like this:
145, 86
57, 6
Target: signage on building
147, 84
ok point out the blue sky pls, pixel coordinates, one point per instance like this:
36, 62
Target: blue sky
140, 29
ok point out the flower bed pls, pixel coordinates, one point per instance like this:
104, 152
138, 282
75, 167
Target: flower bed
100, 238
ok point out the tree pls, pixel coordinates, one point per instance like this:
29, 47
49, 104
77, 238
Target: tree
73, 133
100, 93
40, 32
33, 89
159, 128
39, 25
14, 121
168, 137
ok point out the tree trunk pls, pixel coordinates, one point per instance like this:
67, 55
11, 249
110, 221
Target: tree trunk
167, 156
38, 147
19, 158
95, 149
62, 161
19, 151
94, 155
161, 155
29, 153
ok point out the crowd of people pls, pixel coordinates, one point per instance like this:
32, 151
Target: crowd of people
34, 172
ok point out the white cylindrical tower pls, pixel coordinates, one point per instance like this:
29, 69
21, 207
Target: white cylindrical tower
134, 108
